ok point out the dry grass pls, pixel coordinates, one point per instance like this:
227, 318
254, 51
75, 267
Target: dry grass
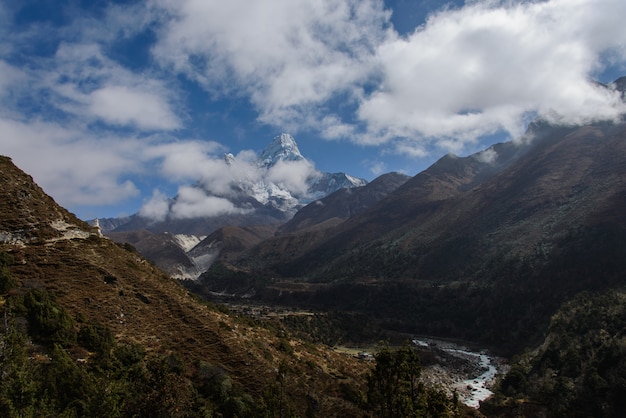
98, 281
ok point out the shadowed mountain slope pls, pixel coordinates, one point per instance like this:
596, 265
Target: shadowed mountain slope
344, 203
304, 230
484, 247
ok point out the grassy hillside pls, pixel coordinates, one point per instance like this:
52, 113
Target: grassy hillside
94, 320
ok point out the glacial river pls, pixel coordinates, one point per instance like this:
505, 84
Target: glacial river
473, 382
476, 388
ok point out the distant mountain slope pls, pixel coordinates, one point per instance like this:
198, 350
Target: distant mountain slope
411, 202
164, 247
101, 284
308, 227
344, 203
471, 208
485, 246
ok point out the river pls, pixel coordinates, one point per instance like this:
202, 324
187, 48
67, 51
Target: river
468, 373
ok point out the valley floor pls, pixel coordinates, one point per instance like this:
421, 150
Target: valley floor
447, 365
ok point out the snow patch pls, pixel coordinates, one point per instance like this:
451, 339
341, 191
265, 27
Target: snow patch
201, 257
187, 242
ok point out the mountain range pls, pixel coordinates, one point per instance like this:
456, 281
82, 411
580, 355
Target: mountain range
260, 191
268, 197
484, 247
520, 248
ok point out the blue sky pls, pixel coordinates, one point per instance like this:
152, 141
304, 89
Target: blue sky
111, 104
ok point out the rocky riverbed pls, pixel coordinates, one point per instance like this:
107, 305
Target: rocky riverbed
456, 368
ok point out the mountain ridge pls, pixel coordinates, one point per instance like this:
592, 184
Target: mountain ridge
509, 219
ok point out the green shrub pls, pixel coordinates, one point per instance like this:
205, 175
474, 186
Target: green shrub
69, 385
48, 322
129, 354
7, 281
96, 337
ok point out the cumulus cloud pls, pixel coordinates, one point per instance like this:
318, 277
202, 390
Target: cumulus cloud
220, 180
85, 124
49, 106
157, 207
123, 105
467, 72
285, 55
193, 202
292, 175
204, 163
488, 156
227, 178
376, 167
90, 84
480, 69
185, 160
75, 166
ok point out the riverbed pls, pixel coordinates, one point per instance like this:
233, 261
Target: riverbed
467, 372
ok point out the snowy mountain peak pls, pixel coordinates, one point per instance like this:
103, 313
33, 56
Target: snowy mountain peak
282, 148
229, 158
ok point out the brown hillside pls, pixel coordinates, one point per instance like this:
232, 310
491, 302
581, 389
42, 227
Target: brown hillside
99, 281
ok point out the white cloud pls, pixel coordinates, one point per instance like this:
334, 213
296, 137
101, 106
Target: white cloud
216, 180
90, 84
488, 156
193, 202
74, 166
185, 160
466, 73
286, 55
376, 167
410, 148
292, 175
204, 162
334, 66
157, 207
121, 105
332, 127
480, 69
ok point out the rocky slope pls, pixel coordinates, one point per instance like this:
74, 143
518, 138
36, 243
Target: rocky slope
343, 204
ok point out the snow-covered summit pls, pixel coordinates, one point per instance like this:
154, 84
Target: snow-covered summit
229, 158
269, 188
282, 148
328, 183
276, 189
